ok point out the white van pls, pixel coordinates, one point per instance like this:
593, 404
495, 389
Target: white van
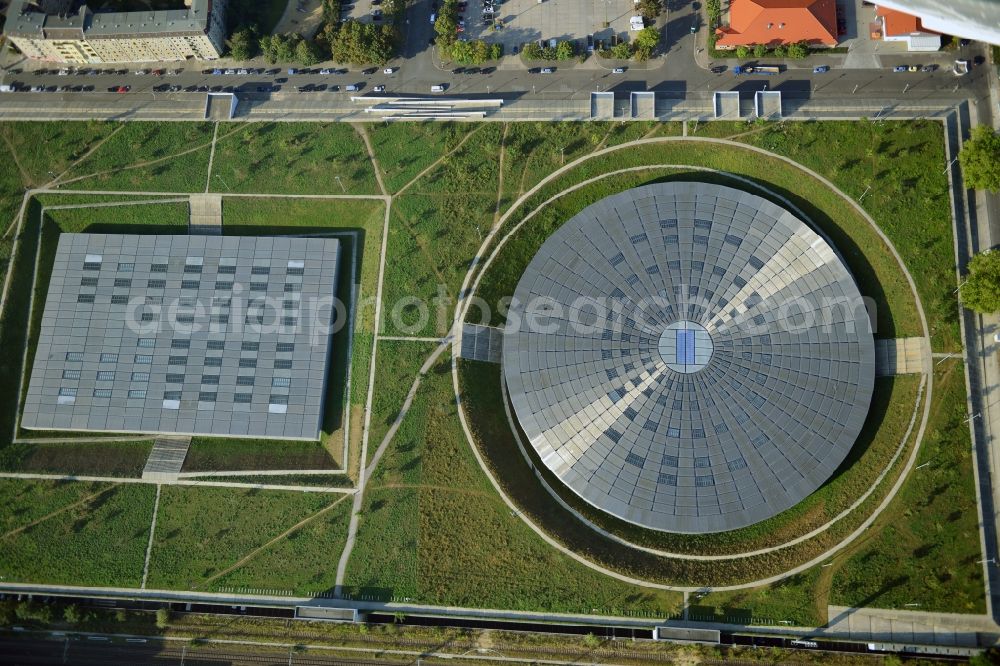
351, 87
437, 88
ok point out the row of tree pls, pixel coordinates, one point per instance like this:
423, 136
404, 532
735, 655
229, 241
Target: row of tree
563, 50
796, 51
641, 48
349, 41
451, 48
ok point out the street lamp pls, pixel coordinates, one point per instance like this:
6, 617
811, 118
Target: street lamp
861, 198
223, 182
342, 188
949, 166
973, 417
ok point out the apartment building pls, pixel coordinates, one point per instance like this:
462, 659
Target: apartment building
70, 32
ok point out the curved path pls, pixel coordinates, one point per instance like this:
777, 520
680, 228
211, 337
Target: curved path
470, 284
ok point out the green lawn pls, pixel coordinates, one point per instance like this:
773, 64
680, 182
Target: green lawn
403, 150
200, 532
28, 500
212, 454
168, 157
926, 548
293, 158
304, 561
82, 458
904, 162
143, 218
434, 530
396, 366
100, 542
45, 148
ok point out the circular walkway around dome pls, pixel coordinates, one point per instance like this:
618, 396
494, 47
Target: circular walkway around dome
689, 357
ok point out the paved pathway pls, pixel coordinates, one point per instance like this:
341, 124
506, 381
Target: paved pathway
910, 627
902, 356
206, 214
481, 343
166, 459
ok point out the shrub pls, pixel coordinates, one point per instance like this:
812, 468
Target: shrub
779, 51
759, 50
532, 51
742, 52
162, 617
72, 614
980, 159
798, 50
565, 50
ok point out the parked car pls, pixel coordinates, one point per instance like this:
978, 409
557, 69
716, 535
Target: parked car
123, 89
928, 68
352, 87
913, 68
899, 68
389, 70
718, 69
157, 72
379, 89
141, 72
618, 70
821, 69
327, 71
439, 87
548, 70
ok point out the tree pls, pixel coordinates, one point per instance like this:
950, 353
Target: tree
779, 51
279, 48
72, 614
243, 44
307, 53
759, 51
162, 617
798, 50
714, 10
532, 51
981, 289
650, 9
742, 52
621, 51
591, 641
565, 50
645, 43
980, 159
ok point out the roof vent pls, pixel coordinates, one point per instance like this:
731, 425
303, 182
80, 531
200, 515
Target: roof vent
770, 25
781, 25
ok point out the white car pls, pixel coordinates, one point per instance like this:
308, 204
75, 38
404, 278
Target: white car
326, 72
379, 89
389, 70
141, 72
63, 72
618, 70
243, 72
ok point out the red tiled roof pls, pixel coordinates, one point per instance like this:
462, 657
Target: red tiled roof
898, 23
773, 22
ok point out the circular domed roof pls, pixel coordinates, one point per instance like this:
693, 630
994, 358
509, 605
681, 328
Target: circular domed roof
689, 357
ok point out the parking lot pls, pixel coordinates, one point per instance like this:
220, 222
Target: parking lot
527, 20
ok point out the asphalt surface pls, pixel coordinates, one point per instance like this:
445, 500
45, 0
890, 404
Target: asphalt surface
680, 71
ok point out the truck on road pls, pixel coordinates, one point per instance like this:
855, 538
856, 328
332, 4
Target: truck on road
767, 70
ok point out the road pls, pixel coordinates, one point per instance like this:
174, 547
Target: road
681, 71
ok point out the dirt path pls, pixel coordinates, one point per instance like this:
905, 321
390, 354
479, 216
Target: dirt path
363, 133
25, 177
439, 160
253, 553
147, 163
503, 153
68, 507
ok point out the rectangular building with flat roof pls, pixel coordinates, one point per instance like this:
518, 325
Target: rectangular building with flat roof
192, 335
65, 32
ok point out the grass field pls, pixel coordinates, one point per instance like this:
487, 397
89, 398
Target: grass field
396, 366
926, 548
169, 157
403, 150
201, 532
211, 454
101, 541
44, 149
82, 458
427, 509
142, 218
293, 158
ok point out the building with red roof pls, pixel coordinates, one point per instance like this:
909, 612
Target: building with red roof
774, 22
899, 27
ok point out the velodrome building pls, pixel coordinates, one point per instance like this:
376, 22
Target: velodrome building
185, 334
689, 357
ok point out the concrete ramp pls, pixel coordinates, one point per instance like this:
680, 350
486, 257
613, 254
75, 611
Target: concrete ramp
902, 356
206, 214
767, 104
602, 105
481, 343
643, 105
220, 106
726, 105
166, 459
